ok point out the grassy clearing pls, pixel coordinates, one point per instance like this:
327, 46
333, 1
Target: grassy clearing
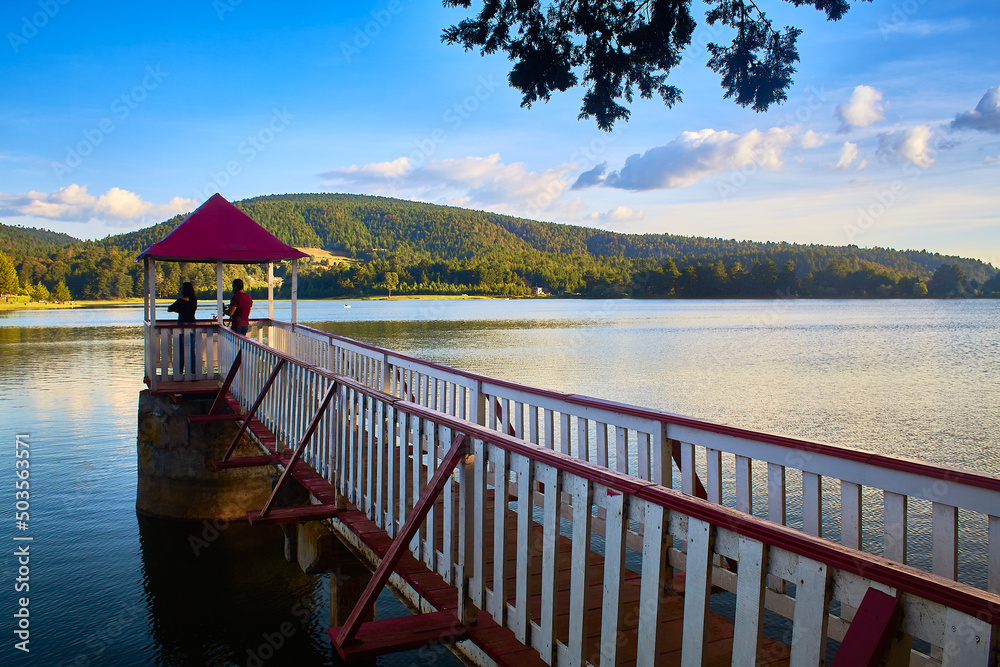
320, 256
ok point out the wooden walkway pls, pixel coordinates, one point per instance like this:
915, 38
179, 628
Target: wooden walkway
500, 643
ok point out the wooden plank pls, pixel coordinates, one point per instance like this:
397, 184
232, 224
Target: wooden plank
211, 419
687, 468
565, 434
697, 586
872, 630
744, 485
524, 467
945, 538
582, 492
377, 638
643, 445
499, 456
967, 641
614, 570
747, 636
654, 570
602, 444
621, 450
894, 527
850, 514
776, 493
993, 583
662, 454
471, 511
381, 446
392, 465
550, 429
713, 459
293, 514
249, 461
583, 439
812, 503
546, 639
811, 614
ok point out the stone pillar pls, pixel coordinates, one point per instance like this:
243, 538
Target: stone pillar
175, 479
319, 550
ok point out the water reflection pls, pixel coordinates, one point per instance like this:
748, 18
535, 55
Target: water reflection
222, 593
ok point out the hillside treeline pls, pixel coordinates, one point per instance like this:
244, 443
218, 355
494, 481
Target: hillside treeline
417, 248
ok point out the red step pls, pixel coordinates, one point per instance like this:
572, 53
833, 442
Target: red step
249, 461
392, 635
201, 419
294, 514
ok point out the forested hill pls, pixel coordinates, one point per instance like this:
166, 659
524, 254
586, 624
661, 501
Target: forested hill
18, 241
414, 247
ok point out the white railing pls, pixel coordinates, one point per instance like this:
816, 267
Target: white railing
907, 511
380, 450
184, 352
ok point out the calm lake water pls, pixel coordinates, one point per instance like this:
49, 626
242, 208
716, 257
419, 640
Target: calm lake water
910, 378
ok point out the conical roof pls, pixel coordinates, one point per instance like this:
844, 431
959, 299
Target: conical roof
218, 231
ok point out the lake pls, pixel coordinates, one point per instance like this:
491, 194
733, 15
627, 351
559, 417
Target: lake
910, 378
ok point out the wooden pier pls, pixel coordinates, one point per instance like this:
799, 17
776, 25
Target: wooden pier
535, 527
615, 559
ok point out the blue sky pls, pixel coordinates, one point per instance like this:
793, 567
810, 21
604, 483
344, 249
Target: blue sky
118, 115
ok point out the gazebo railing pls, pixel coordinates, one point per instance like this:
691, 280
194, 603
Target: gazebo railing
166, 342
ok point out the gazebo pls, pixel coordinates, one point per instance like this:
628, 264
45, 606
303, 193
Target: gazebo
215, 232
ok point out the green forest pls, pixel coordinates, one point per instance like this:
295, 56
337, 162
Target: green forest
408, 247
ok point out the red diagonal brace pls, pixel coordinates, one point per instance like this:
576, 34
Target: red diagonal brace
871, 632
221, 397
254, 407
297, 454
402, 542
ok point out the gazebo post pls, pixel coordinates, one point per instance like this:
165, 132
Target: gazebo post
145, 288
295, 287
270, 290
218, 289
151, 333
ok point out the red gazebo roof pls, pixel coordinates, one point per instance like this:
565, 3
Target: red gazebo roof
218, 231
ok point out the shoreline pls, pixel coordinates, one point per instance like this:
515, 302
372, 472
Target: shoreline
108, 303
111, 303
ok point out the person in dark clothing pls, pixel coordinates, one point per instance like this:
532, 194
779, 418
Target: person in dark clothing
185, 307
239, 309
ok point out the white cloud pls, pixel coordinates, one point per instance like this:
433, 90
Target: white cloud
848, 152
812, 140
912, 144
861, 165
986, 115
623, 213
376, 171
73, 203
863, 108
475, 181
992, 160
691, 157
925, 28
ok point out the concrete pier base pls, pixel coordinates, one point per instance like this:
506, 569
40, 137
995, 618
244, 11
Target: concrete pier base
175, 480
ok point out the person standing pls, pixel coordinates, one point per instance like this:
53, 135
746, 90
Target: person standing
185, 307
239, 309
